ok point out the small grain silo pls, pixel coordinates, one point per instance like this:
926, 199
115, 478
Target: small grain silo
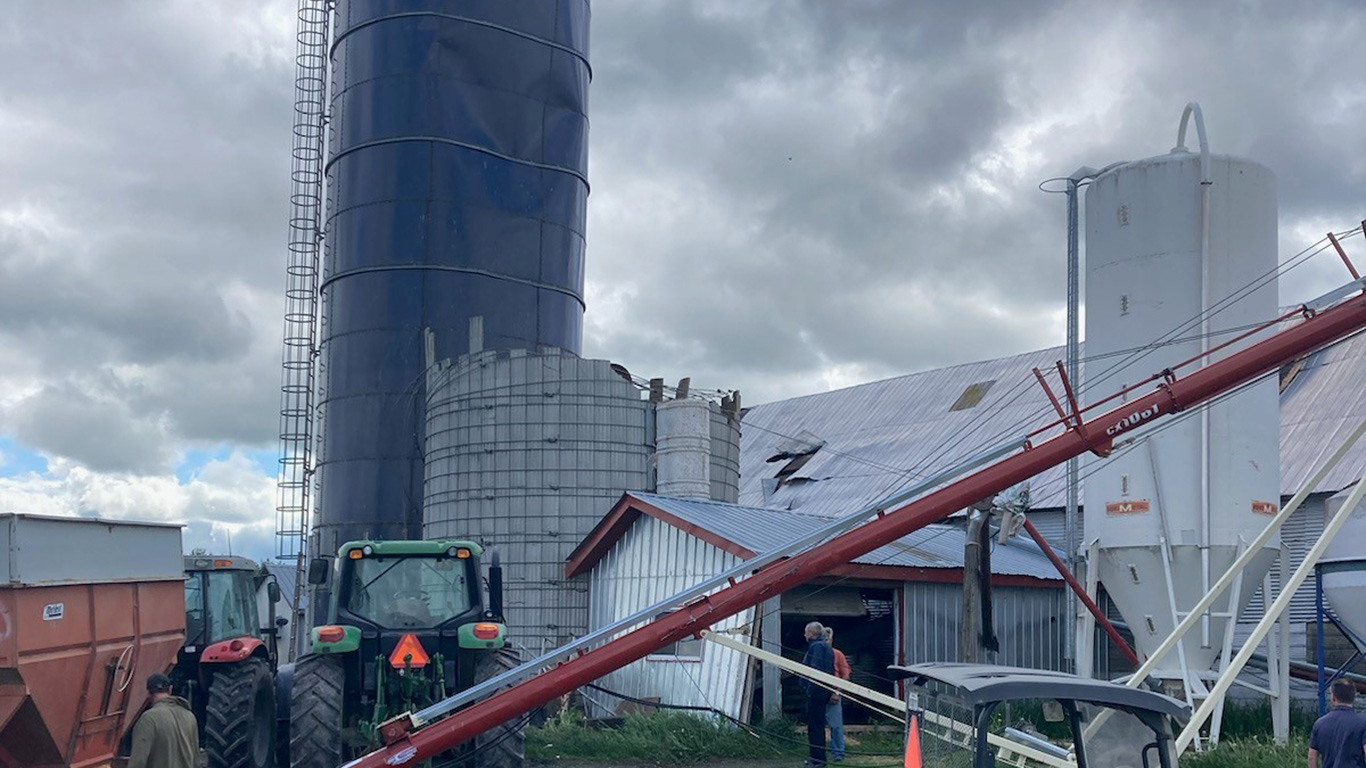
1181, 248
526, 451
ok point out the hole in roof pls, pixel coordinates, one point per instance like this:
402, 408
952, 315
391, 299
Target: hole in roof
795, 452
1290, 370
790, 448
972, 395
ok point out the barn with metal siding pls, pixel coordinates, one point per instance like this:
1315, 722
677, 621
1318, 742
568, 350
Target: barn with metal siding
898, 604
863, 440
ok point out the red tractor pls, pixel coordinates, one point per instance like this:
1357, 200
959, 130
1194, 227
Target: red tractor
226, 669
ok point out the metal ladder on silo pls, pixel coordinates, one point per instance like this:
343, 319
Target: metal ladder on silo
300, 374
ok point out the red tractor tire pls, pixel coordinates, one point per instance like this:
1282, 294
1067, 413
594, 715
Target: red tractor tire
239, 717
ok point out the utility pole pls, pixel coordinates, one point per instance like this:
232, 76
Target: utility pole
970, 619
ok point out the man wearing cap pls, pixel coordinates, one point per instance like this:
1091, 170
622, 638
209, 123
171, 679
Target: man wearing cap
166, 736
818, 657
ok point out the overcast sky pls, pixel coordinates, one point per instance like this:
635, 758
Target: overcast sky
787, 197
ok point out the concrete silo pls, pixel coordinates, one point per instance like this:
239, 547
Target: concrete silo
527, 451
1184, 242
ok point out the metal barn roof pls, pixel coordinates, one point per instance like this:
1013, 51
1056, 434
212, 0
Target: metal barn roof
746, 531
875, 438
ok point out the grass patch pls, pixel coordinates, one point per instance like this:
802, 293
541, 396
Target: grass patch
1250, 753
672, 738
1252, 720
662, 738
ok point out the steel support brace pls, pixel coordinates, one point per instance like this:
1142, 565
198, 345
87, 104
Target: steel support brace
1186, 392
1080, 591
1332, 238
1272, 615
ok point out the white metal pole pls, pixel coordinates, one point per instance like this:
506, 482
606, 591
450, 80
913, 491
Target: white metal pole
1071, 516
1085, 622
1168, 574
1278, 658
1272, 615
770, 636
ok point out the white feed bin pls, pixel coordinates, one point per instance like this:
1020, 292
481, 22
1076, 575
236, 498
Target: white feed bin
1344, 569
1151, 268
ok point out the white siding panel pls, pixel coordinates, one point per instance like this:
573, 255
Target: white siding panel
652, 561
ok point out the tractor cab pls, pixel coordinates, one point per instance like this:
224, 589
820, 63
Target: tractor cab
221, 600
408, 625
982, 716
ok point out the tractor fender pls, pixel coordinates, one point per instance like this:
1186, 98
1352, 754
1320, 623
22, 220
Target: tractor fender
233, 651
284, 685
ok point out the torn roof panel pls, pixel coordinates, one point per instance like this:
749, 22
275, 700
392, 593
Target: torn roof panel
881, 436
760, 529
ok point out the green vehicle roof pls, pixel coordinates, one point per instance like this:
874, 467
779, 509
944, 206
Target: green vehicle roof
431, 547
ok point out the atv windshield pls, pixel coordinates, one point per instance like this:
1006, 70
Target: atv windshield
408, 592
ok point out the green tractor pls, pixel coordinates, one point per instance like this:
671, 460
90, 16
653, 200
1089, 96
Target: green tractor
408, 626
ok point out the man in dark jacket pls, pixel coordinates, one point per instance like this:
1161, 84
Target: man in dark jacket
1339, 737
166, 736
818, 656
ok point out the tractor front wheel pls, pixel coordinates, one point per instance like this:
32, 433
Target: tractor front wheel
503, 746
316, 717
239, 718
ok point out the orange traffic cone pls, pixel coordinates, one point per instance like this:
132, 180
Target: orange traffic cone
913, 743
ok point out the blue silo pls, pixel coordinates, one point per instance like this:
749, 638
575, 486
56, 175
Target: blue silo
456, 189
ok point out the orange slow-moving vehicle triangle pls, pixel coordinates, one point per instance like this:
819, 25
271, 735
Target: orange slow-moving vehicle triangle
408, 645
913, 743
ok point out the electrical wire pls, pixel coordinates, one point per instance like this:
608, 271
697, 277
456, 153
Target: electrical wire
1095, 464
946, 448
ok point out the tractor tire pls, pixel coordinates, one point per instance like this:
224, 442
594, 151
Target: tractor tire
239, 718
316, 717
503, 746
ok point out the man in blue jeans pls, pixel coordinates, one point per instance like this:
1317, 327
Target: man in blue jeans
1339, 737
834, 711
818, 656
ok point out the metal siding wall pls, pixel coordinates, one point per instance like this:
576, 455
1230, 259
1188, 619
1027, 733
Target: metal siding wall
1028, 624
652, 561
527, 453
1052, 523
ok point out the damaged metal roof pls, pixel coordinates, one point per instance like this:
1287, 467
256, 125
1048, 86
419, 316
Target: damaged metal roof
876, 438
760, 530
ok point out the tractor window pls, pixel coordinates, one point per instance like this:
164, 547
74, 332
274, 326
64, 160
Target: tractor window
231, 606
408, 592
194, 609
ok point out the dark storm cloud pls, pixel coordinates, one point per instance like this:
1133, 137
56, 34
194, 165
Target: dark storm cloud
793, 195
146, 145
787, 195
